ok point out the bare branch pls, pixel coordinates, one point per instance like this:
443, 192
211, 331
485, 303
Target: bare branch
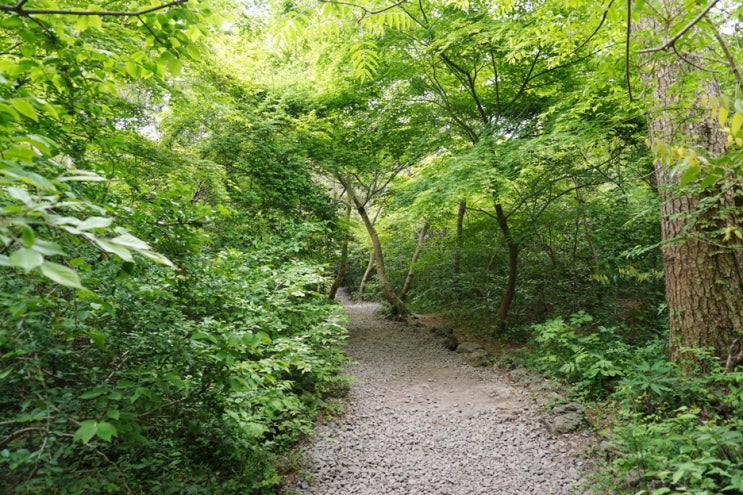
590, 37
683, 31
729, 57
626, 50
366, 10
18, 9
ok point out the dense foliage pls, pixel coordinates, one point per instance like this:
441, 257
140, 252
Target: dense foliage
118, 375
177, 182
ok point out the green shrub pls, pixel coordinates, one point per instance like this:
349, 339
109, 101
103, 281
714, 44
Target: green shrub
591, 359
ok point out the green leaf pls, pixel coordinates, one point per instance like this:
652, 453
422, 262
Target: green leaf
25, 108
47, 248
95, 223
27, 235
735, 123
86, 431
26, 259
119, 251
61, 274
92, 394
156, 257
129, 241
105, 431
690, 174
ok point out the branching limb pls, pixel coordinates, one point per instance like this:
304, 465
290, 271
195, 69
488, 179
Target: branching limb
729, 57
366, 10
683, 31
18, 9
595, 31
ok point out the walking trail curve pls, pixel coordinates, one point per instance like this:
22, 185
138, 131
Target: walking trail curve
421, 421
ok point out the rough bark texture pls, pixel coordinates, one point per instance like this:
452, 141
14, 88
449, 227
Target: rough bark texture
704, 282
513, 262
416, 255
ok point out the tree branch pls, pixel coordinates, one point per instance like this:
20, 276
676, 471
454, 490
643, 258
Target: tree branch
683, 31
590, 37
729, 57
366, 10
18, 9
626, 51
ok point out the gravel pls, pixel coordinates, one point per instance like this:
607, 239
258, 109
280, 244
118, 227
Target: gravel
421, 421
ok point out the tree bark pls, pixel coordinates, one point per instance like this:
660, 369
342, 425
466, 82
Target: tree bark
416, 255
384, 284
365, 278
704, 281
513, 261
460, 227
344, 255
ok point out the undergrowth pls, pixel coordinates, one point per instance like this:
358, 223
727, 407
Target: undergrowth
674, 428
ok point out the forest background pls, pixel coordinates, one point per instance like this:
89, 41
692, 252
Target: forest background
184, 184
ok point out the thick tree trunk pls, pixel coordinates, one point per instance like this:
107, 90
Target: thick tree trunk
416, 255
365, 278
704, 281
513, 262
344, 255
460, 227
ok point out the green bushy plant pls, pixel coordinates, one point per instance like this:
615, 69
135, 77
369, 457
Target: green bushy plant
679, 427
591, 358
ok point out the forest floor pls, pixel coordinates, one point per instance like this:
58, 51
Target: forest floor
419, 420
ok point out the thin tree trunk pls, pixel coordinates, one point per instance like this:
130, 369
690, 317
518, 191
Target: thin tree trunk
369, 266
460, 227
344, 255
384, 284
416, 255
704, 282
513, 261
365, 278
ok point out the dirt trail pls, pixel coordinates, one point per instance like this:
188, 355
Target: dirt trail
421, 421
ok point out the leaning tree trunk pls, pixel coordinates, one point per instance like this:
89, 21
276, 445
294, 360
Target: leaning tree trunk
344, 255
704, 281
416, 255
513, 262
365, 278
384, 284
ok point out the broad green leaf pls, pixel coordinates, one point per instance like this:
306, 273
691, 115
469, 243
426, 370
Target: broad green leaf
92, 394
61, 274
21, 194
119, 251
25, 108
95, 223
105, 431
27, 235
86, 431
4, 260
47, 248
723, 117
735, 123
156, 257
690, 174
129, 241
26, 259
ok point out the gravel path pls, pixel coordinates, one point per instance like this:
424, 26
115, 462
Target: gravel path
420, 421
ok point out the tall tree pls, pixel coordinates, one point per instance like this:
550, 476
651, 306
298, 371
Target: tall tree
704, 274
